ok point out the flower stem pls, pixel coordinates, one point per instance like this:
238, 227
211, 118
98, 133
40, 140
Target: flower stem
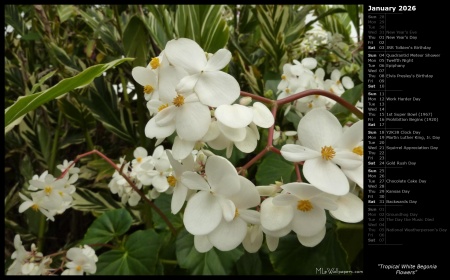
129, 181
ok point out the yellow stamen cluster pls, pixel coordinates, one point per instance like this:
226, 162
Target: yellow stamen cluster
236, 213
148, 89
48, 190
283, 77
310, 105
172, 181
358, 150
162, 107
288, 90
154, 63
35, 207
328, 152
178, 101
78, 268
304, 205
139, 159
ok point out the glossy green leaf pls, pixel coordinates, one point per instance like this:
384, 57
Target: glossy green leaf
292, 258
203, 24
213, 262
249, 264
135, 41
87, 200
351, 236
274, 167
352, 96
108, 226
163, 202
25, 104
65, 12
139, 256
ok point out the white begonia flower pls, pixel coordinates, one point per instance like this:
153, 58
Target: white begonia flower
336, 85
320, 143
308, 205
351, 140
41, 203
19, 256
275, 217
163, 170
229, 234
205, 209
180, 191
212, 86
27, 262
66, 164
185, 115
350, 208
253, 239
147, 78
81, 261
313, 240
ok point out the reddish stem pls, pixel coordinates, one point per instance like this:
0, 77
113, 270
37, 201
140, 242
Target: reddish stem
129, 181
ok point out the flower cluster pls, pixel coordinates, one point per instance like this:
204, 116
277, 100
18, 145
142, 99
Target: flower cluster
50, 195
187, 94
298, 77
82, 260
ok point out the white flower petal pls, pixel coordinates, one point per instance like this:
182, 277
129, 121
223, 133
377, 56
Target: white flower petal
182, 148
140, 152
187, 84
248, 196
356, 175
218, 61
152, 130
275, 217
335, 75
160, 183
297, 153
222, 176
272, 242
202, 243
347, 159
186, 53
144, 76
232, 134
217, 88
220, 142
309, 62
228, 208
318, 128
166, 116
285, 199
253, 240
178, 197
234, 116
25, 205
213, 132
168, 79
262, 116
249, 143
302, 190
347, 82
202, 214
352, 136
350, 209
227, 236
194, 181
192, 121
309, 223
326, 176
311, 241
250, 216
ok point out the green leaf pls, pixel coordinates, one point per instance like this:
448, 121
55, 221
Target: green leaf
65, 12
108, 226
249, 264
135, 41
86, 200
139, 256
292, 258
274, 168
352, 95
203, 24
25, 104
213, 262
102, 102
351, 238
163, 202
